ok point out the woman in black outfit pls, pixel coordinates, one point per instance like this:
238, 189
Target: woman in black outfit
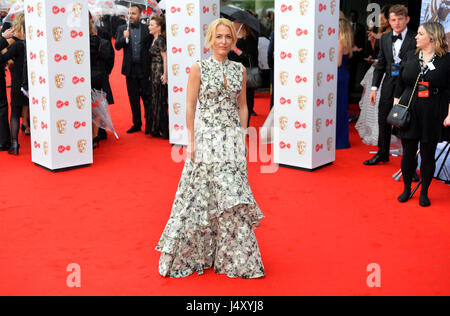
430, 107
18, 100
246, 52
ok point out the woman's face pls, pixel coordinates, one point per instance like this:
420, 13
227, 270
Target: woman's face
154, 28
383, 22
422, 39
223, 40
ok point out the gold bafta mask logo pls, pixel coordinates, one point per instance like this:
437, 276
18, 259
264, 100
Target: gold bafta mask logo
175, 69
333, 6
58, 33
302, 55
30, 32
42, 56
39, 9
304, 7
330, 99
190, 7
45, 148
214, 9
176, 108
33, 78
330, 143
205, 29
35, 122
44, 103
319, 79
302, 100
59, 80
318, 125
79, 56
284, 77
191, 50
82, 146
284, 31
61, 126
80, 100
320, 31
283, 123
301, 147
77, 8
174, 29
332, 53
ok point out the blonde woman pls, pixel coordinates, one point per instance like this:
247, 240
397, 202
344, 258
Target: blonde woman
214, 212
19, 102
345, 52
430, 106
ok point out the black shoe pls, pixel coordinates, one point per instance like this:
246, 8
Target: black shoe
404, 197
133, 129
4, 147
102, 135
376, 160
14, 149
424, 200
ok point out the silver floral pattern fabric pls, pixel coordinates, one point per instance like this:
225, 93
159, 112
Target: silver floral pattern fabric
214, 213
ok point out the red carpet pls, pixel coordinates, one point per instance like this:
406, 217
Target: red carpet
321, 230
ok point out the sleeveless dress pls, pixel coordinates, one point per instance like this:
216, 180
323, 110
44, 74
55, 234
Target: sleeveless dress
342, 123
214, 213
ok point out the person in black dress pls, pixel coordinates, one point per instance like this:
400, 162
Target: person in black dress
245, 51
158, 121
18, 100
430, 106
5, 137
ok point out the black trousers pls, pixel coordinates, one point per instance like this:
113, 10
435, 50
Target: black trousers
250, 103
139, 88
4, 123
384, 107
409, 162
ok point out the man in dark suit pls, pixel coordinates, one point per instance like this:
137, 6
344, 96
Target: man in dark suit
136, 66
5, 140
393, 48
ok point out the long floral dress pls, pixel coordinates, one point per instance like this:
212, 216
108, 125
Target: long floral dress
214, 213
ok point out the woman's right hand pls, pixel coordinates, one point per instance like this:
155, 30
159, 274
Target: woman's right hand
191, 151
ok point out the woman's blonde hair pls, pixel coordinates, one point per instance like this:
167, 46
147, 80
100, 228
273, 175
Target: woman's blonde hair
346, 34
437, 35
18, 23
212, 29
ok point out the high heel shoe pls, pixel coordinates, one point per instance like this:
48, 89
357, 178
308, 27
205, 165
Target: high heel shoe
14, 148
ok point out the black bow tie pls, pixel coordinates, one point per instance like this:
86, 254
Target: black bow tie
396, 37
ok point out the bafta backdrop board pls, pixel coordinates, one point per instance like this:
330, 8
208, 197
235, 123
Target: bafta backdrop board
437, 11
306, 38
59, 82
187, 23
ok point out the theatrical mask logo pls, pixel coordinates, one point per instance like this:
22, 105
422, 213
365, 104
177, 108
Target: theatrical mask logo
330, 143
284, 77
205, 29
302, 100
174, 29
35, 122
42, 57
319, 79
304, 7
301, 147
175, 69
283, 123
333, 6
320, 31
58, 33
284, 31
77, 8
61, 126
59, 80
82, 146
190, 7
79, 56
30, 32
318, 125
44, 103
214, 9
176, 108
33, 78
45, 148
302, 55
39, 9
332, 53
80, 101
191, 49
330, 99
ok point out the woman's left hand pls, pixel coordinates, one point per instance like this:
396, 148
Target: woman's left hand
164, 79
447, 121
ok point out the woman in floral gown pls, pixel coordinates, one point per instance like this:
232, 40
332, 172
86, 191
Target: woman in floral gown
214, 212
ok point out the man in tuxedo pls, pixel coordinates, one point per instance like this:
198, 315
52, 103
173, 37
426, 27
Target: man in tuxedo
393, 48
136, 65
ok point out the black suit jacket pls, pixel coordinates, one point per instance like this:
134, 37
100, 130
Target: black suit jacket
146, 39
386, 57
